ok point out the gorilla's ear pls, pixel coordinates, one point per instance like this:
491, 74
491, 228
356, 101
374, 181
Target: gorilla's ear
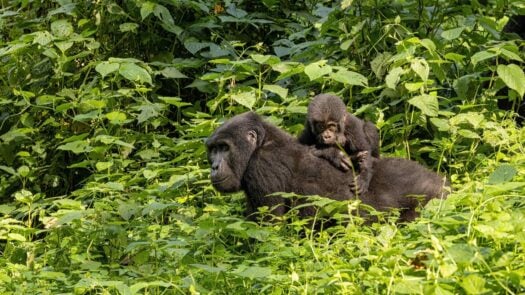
251, 136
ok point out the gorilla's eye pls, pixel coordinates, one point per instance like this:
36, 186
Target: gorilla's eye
319, 126
222, 147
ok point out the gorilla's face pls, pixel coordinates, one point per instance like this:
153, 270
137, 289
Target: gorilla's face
230, 148
326, 119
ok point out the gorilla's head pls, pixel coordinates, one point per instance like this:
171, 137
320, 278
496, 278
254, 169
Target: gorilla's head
326, 119
230, 148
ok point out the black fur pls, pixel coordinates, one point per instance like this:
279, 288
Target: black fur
249, 154
352, 134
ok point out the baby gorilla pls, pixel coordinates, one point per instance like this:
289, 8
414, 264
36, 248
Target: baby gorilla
328, 124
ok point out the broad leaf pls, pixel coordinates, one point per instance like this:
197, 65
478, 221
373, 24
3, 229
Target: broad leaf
134, 73
349, 78
428, 104
513, 77
421, 68
317, 70
105, 68
392, 78
503, 173
246, 99
61, 28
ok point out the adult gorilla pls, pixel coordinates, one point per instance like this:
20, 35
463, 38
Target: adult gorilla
249, 154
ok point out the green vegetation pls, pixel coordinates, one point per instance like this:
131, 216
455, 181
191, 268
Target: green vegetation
104, 107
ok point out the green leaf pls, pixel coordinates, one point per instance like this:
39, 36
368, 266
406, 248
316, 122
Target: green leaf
147, 9
441, 124
392, 78
503, 173
473, 284
61, 28
452, 34
346, 3
103, 166
149, 174
379, 64
421, 68
481, 56
317, 70
128, 27
76, 147
265, 59
253, 272
105, 68
16, 237
468, 133
282, 92
513, 77
43, 38
428, 104
246, 98
171, 72
134, 73
116, 117
349, 78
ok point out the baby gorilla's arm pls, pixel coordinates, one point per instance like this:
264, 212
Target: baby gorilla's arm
335, 156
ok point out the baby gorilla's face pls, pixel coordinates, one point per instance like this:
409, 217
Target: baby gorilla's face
328, 133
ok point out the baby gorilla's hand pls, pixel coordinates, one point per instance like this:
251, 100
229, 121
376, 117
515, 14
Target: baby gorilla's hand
335, 156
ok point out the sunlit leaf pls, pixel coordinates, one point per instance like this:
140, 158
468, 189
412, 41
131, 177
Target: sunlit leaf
105, 68
349, 78
513, 77
503, 173
392, 78
428, 104
61, 28
134, 73
317, 70
116, 117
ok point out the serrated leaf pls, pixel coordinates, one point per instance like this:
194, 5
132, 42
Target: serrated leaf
103, 166
317, 70
16, 237
76, 147
61, 28
246, 99
473, 284
149, 174
148, 111
379, 64
116, 117
253, 272
349, 78
128, 27
134, 73
194, 46
511, 55
282, 92
513, 76
428, 104
146, 9
105, 68
452, 34
265, 59
441, 124
42, 37
468, 133
481, 56
171, 72
503, 173
421, 68
392, 78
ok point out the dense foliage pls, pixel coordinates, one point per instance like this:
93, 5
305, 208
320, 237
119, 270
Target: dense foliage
105, 106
